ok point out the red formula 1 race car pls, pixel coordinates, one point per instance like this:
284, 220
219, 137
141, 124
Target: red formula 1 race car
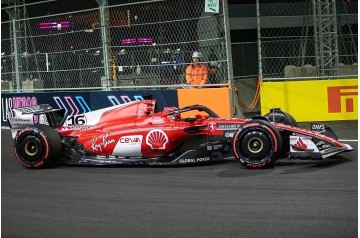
137, 133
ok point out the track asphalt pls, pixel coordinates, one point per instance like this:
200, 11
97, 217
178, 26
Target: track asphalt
293, 199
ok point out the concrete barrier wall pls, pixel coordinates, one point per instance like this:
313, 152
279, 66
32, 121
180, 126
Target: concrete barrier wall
291, 71
313, 100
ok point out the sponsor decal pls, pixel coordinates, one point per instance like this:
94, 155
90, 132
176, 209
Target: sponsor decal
116, 157
230, 126
229, 134
20, 120
103, 144
131, 140
322, 145
319, 128
75, 128
183, 161
329, 150
301, 143
252, 124
110, 157
337, 94
157, 139
200, 159
21, 132
212, 126
257, 165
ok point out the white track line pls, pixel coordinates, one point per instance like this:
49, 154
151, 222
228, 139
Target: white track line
346, 140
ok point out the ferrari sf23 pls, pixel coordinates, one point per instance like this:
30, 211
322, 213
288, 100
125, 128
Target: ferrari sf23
138, 133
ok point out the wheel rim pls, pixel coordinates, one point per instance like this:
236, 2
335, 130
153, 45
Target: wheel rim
31, 148
256, 146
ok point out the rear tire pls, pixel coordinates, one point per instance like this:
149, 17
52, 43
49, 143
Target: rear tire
37, 146
257, 144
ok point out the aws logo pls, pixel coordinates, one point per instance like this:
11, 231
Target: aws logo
339, 94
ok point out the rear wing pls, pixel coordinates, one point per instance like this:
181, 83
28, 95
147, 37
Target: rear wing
37, 114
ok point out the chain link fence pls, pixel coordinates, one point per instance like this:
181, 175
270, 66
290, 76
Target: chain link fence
245, 60
130, 44
288, 37
111, 45
287, 40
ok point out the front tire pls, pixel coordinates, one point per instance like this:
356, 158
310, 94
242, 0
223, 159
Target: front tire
37, 146
257, 144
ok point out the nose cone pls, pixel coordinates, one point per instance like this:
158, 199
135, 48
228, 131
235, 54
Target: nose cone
349, 148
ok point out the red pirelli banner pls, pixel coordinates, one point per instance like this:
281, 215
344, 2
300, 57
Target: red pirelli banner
313, 100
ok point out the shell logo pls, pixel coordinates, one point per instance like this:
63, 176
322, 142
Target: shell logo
157, 139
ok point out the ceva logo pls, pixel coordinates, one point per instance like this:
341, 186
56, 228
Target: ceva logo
339, 93
132, 140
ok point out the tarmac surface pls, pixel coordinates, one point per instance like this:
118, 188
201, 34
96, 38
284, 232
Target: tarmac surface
292, 199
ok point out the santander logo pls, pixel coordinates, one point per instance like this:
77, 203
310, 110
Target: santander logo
300, 145
157, 139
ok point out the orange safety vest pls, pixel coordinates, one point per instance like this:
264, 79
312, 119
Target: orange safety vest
196, 74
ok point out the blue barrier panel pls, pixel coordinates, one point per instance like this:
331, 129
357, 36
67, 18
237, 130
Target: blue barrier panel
80, 102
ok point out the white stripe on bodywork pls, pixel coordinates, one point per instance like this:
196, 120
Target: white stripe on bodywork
93, 117
128, 146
